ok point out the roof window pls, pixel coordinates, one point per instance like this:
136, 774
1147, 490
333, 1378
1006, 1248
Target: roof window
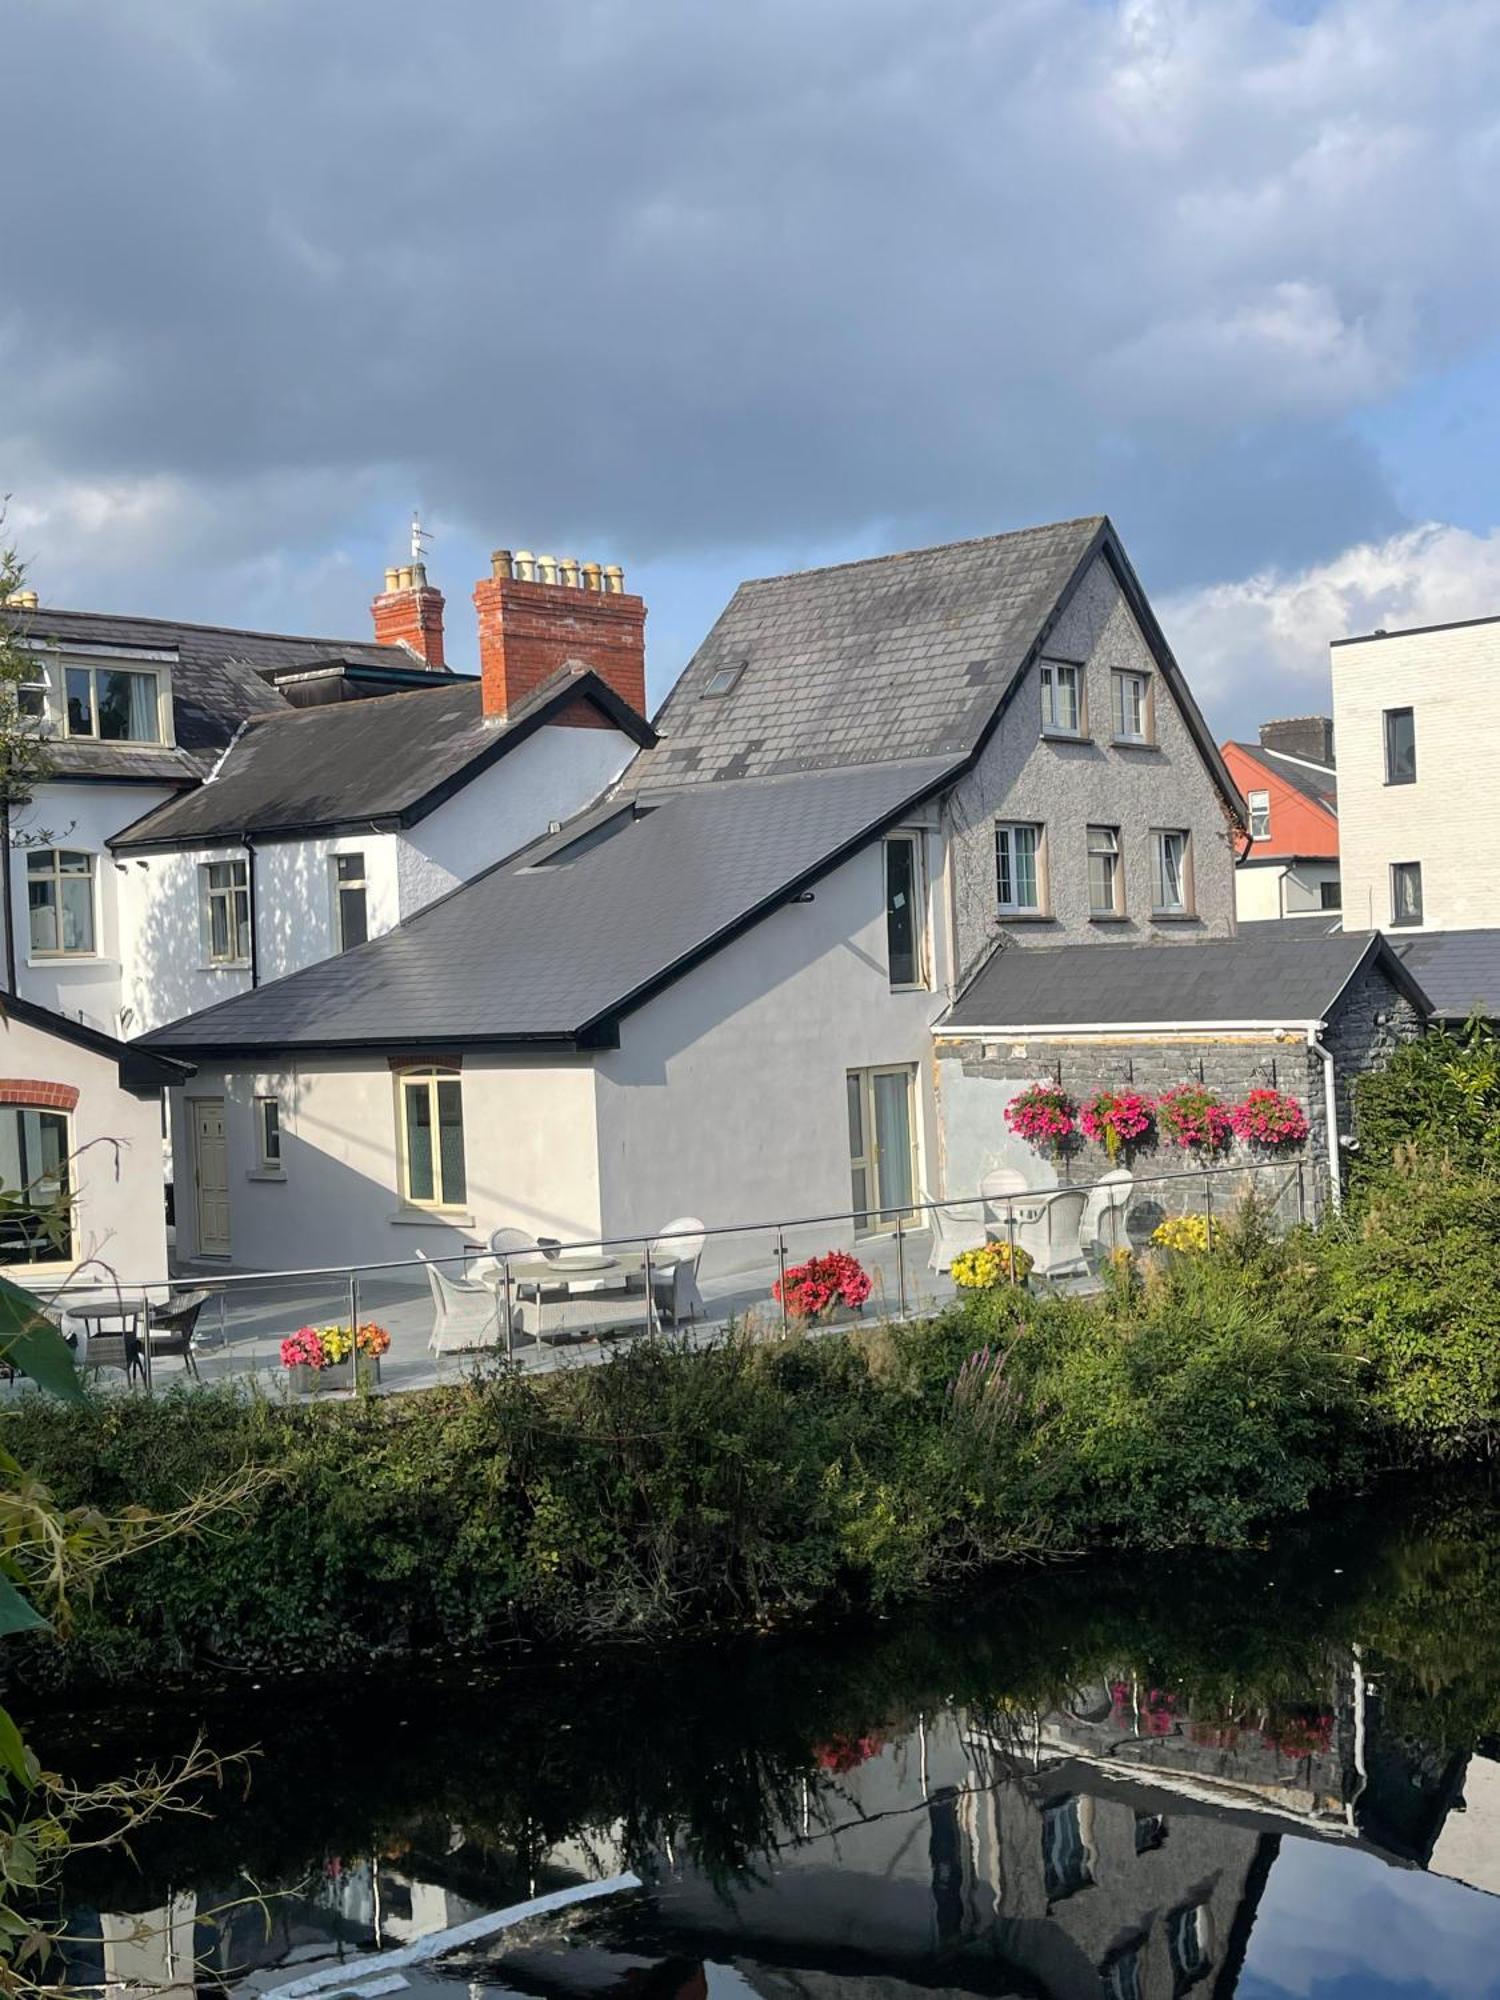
723, 682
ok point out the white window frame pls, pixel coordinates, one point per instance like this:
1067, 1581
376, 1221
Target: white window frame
93, 668
1005, 863
57, 876
337, 889
433, 1077
1055, 676
1259, 804
1160, 835
64, 1258
1120, 677
238, 916
1094, 837
268, 1134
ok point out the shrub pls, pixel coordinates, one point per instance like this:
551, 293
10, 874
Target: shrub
1442, 1093
1188, 1233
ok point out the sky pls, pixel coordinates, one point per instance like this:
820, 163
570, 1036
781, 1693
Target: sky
717, 291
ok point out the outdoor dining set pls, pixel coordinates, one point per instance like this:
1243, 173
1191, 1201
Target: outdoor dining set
559, 1296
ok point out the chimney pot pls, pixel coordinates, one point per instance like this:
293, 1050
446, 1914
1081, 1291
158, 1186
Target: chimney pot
501, 564
409, 613
567, 572
546, 569
527, 637
614, 578
589, 576
525, 566
393, 579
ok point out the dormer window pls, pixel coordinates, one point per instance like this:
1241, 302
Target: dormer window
112, 704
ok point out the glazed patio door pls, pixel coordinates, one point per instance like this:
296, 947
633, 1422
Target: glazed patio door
882, 1145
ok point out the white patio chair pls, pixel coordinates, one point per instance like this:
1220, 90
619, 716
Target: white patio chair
674, 1270
467, 1313
956, 1227
1047, 1228
1103, 1227
503, 1243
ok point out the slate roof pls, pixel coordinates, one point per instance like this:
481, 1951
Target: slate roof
218, 681
143, 1072
1460, 970
363, 763
1260, 978
555, 950
1321, 787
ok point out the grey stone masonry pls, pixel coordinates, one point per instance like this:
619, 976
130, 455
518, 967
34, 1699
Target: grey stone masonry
978, 1078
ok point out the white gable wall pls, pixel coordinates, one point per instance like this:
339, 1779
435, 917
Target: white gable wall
81, 817
555, 773
116, 1149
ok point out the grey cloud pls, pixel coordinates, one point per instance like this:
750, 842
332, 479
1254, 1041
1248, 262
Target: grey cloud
673, 277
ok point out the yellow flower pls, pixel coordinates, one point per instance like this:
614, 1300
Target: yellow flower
989, 1265
1182, 1232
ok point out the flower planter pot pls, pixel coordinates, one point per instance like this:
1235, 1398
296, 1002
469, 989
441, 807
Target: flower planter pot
303, 1381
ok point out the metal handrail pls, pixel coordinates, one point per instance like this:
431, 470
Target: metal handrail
209, 1281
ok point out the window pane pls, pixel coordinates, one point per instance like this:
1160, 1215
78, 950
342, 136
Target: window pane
1170, 848
892, 1094
127, 706
451, 1141
900, 911
1260, 815
77, 913
42, 896
1067, 698
270, 1130
1400, 747
856, 1095
1003, 881
418, 1100
218, 927
1025, 851
353, 924
350, 867
80, 702
241, 909
1330, 896
1406, 892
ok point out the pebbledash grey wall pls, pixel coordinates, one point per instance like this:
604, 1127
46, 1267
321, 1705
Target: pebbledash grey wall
977, 1080
1069, 786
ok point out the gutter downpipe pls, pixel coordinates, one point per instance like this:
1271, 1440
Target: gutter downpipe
1331, 1115
249, 846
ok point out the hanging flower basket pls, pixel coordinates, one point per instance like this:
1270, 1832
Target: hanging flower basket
1270, 1120
1044, 1115
816, 1289
1119, 1120
1194, 1118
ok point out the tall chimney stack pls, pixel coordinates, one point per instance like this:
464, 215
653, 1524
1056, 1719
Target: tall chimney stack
409, 613
537, 615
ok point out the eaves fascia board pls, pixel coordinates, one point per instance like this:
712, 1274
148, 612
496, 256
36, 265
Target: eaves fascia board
251, 1052
1060, 1030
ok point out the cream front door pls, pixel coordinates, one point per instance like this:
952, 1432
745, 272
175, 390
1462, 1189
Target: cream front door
211, 1176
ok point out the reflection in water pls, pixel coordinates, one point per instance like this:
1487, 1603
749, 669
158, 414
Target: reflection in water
1089, 1783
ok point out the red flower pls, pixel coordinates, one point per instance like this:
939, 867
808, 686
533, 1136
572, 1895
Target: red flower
833, 1279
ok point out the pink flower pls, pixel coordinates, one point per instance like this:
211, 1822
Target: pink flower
1267, 1118
1193, 1117
835, 1278
1117, 1119
1043, 1114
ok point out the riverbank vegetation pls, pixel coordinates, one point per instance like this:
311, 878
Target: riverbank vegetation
1203, 1396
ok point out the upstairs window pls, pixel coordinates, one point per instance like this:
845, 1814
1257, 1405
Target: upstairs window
1132, 705
1260, 814
903, 928
113, 704
351, 923
1400, 747
432, 1139
1406, 893
60, 891
1018, 868
224, 911
1062, 699
1106, 892
1172, 891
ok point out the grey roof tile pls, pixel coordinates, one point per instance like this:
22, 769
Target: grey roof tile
1460, 970
1283, 973
1321, 787
867, 660
544, 947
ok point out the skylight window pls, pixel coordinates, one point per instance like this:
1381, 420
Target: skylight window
724, 681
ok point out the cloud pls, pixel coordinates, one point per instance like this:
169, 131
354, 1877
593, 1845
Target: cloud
1259, 646
663, 281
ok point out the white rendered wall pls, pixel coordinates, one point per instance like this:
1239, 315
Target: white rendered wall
726, 1099
1283, 889
117, 1159
79, 816
1448, 679
552, 775
530, 1159
167, 971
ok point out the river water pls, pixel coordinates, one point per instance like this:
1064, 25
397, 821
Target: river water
1271, 1774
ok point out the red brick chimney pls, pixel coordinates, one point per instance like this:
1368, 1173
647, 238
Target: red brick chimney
409, 612
537, 614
